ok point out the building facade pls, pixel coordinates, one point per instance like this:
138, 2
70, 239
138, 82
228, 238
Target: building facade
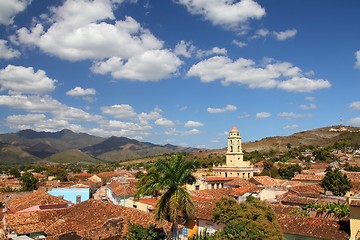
235, 165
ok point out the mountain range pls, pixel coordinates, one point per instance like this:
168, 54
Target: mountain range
28, 146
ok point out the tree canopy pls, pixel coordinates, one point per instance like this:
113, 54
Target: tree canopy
167, 178
252, 219
336, 182
28, 182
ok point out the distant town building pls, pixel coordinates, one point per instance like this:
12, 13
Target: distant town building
235, 165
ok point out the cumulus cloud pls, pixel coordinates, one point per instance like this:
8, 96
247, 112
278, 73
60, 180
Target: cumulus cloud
164, 122
247, 72
291, 126
308, 106
7, 52
303, 84
355, 122
25, 80
310, 98
149, 66
79, 91
262, 115
213, 51
291, 115
239, 43
355, 105
123, 48
185, 49
227, 108
281, 36
193, 124
229, 14
191, 132
122, 111
260, 33
9, 9
357, 56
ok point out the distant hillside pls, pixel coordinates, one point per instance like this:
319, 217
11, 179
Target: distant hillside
12, 155
60, 141
68, 147
122, 148
317, 137
72, 156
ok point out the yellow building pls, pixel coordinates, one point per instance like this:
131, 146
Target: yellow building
354, 203
235, 165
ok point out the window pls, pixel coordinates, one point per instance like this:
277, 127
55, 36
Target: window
197, 187
78, 199
134, 206
243, 175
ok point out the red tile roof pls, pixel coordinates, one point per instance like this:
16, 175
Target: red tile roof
218, 179
266, 181
92, 218
309, 177
312, 227
122, 189
204, 209
34, 199
211, 194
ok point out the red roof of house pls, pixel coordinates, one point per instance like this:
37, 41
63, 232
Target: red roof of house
218, 179
92, 219
34, 199
312, 227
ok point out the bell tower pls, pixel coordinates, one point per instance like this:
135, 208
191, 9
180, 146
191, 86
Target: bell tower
234, 154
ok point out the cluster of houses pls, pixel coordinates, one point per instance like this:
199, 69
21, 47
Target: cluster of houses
100, 206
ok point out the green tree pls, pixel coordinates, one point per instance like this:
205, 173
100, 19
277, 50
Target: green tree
336, 182
168, 178
288, 171
28, 182
252, 219
15, 172
136, 231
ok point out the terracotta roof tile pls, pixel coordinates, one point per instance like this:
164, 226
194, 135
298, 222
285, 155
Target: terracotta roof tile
211, 194
309, 177
92, 219
218, 179
312, 227
267, 181
33, 199
204, 209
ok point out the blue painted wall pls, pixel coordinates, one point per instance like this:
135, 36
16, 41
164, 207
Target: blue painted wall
71, 193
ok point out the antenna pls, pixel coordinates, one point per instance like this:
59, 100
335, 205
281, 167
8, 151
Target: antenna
341, 121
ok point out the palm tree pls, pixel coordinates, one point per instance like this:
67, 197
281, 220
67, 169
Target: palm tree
167, 178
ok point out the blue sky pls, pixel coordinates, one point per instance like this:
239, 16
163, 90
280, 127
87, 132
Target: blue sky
179, 72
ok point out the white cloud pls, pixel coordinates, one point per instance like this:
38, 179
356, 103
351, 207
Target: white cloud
308, 106
79, 91
122, 111
164, 122
81, 31
185, 49
310, 98
25, 80
244, 115
25, 119
213, 51
303, 84
227, 108
151, 65
192, 132
291, 126
355, 105
357, 56
30, 103
291, 115
7, 52
229, 14
193, 124
260, 33
262, 115
281, 36
355, 122
239, 43
9, 9
246, 72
